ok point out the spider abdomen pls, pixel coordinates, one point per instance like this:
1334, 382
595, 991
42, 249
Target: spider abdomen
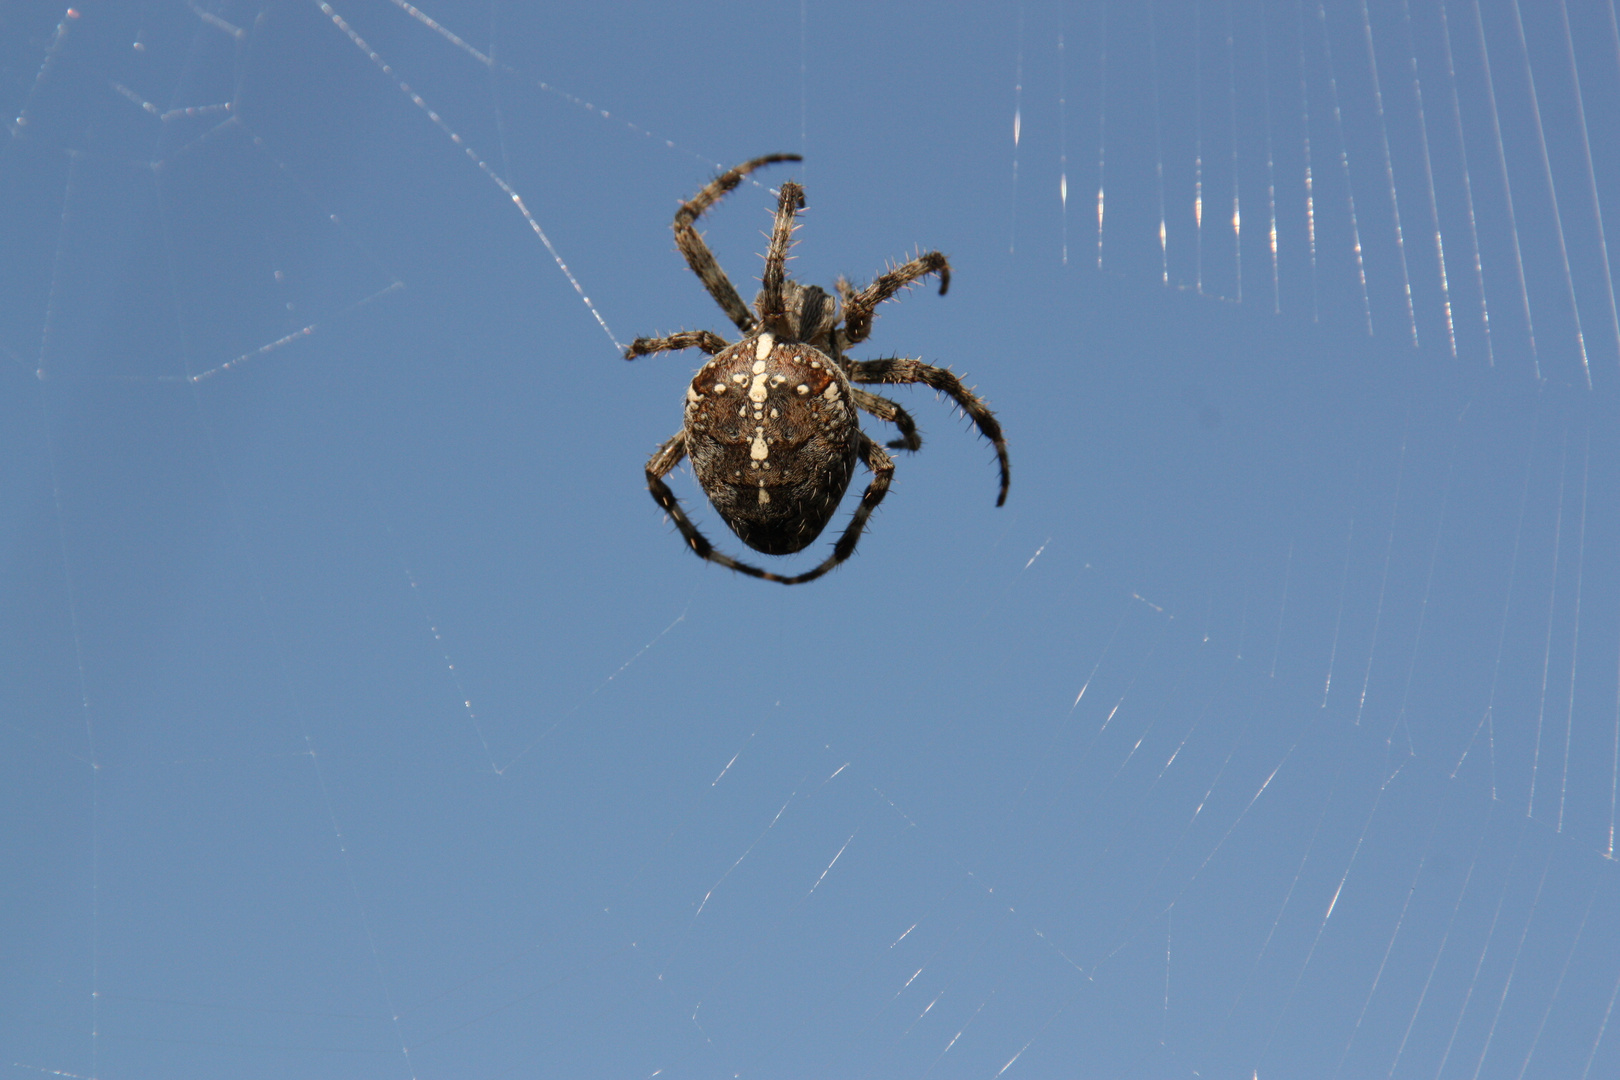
772, 435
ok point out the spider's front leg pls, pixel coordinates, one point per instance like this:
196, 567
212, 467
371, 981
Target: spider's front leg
707, 340
902, 370
859, 305
772, 302
697, 253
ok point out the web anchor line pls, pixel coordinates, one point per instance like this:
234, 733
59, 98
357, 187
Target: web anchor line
473, 156
488, 60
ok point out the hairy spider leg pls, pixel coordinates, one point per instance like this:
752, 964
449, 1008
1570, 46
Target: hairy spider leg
670, 454
884, 409
859, 305
697, 253
772, 302
707, 340
902, 370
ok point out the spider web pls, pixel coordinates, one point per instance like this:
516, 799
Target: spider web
360, 718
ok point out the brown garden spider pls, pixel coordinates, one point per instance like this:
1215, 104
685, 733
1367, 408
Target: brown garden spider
770, 425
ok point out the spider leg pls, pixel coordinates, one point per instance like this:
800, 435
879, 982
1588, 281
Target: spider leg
697, 253
902, 370
670, 454
859, 305
707, 340
772, 303
884, 409
658, 466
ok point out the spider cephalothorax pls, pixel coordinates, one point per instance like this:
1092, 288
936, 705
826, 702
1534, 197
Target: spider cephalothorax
771, 423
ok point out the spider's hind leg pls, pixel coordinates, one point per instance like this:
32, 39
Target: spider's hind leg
658, 466
902, 370
670, 454
884, 409
881, 466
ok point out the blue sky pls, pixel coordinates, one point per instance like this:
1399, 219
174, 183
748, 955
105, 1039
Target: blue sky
362, 717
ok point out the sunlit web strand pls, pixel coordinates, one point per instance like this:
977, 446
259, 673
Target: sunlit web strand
1338, 621
1428, 586
1232, 121
489, 61
1271, 212
472, 155
1586, 154
1145, 799
1552, 599
287, 176
1485, 950
298, 711
216, 22
637, 655
1575, 643
1344, 166
1614, 763
1310, 180
1102, 125
1489, 719
1124, 935
1321, 928
1389, 946
1468, 186
1608, 1013
1558, 987
1445, 936
71, 590
1507, 186
438, 640
1428, 178
1552, 196
1198, 147
1063, 136
1017, 130
1383, 581
1282, 608
969, 874
287, 339
1069, 782
1389, 170
1158, 139
495, 95
1518, 952
1277, 920
19, 123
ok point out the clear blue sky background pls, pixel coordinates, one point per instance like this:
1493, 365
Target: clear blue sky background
361, 717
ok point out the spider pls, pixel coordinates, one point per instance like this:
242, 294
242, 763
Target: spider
771, 423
